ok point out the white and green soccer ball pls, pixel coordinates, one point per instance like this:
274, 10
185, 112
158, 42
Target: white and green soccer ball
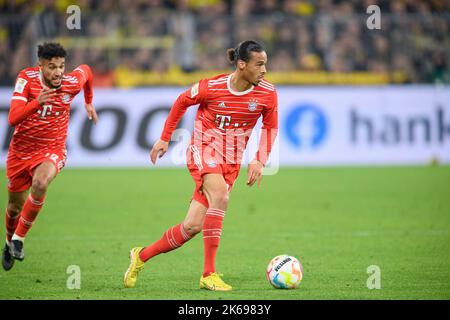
284, 272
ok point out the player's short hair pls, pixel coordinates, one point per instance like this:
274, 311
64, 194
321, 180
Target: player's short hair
51, 50
243, 51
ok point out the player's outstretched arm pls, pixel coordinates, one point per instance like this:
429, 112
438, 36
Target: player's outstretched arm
85, 77
190, 97
195, 95
158, 150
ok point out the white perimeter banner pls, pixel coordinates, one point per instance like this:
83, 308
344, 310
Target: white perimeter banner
391, 125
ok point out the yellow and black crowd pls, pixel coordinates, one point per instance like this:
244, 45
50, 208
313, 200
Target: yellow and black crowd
154, 38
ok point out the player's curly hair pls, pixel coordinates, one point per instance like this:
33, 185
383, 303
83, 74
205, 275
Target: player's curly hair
243, 50
51, 50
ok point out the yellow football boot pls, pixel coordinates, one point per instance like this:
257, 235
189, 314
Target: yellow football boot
136, 265
213, 282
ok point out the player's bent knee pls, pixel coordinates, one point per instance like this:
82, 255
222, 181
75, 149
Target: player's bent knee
40, 184
220, 200
192, 229
14, 209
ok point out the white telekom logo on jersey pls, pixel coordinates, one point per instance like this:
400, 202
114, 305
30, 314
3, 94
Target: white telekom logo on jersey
222, 121
44, 112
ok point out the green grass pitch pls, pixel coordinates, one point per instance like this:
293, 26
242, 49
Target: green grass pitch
337, 221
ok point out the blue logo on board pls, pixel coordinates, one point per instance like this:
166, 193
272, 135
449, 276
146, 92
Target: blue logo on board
306, 126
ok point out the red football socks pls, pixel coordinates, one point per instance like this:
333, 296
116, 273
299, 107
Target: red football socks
11, 224
29, 213
212, 230
173, 238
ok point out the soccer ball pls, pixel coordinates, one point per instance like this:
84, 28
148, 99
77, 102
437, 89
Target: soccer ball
284, 272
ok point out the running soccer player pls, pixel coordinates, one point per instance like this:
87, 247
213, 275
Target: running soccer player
40, 108
230, 105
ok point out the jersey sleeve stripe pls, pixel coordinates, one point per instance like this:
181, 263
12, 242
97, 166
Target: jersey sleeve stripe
19, 98
267, 87
216, 82
81, 71
267, 83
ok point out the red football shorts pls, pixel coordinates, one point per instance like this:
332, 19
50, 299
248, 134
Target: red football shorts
198, 166
20, 171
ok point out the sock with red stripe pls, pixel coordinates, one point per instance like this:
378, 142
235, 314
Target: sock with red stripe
173, 238
29, 213
212, 230
11, 225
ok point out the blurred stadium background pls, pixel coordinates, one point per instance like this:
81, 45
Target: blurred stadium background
349, 97
158, 42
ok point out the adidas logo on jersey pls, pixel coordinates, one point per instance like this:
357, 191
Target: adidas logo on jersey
222, 105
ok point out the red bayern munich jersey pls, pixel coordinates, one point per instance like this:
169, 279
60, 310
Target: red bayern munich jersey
225, 118
45, 128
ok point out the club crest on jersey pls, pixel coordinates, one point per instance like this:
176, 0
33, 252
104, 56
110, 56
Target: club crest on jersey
252, 104
211, 163
65, 98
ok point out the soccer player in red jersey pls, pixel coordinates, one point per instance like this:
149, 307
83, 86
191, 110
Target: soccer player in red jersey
40, 108
230, 105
